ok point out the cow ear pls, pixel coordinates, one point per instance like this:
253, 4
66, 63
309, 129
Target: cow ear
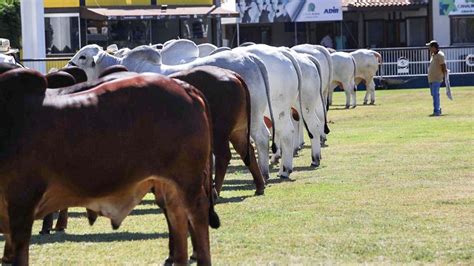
97, 58
22, 82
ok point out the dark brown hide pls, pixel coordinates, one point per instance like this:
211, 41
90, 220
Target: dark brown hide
60, 79
117, 140
229, 101
78, 73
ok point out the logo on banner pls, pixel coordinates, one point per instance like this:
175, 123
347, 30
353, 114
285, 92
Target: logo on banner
403, 65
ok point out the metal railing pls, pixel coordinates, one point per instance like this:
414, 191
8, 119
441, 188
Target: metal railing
414, 61
44, 65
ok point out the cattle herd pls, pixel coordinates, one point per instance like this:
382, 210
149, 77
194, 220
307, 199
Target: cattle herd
113, 126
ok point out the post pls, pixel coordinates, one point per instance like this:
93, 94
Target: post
238, 34
33, 33
217, 3
296, 34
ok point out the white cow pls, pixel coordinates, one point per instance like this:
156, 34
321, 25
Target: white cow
206, 49
325, 61
344, 71
367, 64
310, 104
284, 83
94, 60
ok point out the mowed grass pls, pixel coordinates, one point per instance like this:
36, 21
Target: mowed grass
394, 186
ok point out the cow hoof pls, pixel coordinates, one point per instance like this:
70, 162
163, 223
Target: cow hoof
284, 177
259, 192
315, 164
347, 106
6, 260
372, 103
354, 106
365, 103
44, 232
168, 262
266, 177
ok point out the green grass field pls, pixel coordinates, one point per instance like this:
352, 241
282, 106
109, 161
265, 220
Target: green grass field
394, 186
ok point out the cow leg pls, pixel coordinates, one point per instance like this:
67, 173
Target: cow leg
199, 228
241, 144
8, 254
367, 93
61, 224
371, 87
47, 224
353, 92
347, 91
223, 156
330, 92
261, 137
178, 228
21, 223
284, 133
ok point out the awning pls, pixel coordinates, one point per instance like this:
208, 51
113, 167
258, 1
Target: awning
155, 13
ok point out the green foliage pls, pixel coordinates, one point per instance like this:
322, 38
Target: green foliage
10, 21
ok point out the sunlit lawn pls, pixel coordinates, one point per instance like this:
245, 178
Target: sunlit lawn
394, 186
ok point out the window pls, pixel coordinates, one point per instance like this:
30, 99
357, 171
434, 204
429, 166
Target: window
129, 33
375, 33
462, 30
62, 34
417, 32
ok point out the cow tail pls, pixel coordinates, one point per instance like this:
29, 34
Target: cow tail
380, 60
318, 66
326, 53
214, 221
264, 73
298, 73
355, 71
247, 98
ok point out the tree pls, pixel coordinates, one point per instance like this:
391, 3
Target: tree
10, 21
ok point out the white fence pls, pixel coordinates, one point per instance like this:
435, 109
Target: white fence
414, 61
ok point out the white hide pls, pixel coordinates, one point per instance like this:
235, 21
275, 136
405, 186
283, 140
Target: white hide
7, 59
344, 70
248, 66
179, 52
206, 49
325, 61
367, 64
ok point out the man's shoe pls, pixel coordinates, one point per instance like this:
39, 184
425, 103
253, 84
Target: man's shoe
435, 114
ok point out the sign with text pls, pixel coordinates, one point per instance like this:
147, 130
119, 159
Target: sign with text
269, 11
456, 7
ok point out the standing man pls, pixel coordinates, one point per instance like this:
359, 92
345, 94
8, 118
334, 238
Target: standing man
436, 73
327, 41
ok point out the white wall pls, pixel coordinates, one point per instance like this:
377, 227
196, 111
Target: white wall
441, 26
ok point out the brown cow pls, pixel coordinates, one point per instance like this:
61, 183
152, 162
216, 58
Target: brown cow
229, 101
117, 140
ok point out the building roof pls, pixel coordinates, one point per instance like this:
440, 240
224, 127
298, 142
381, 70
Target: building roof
382, 3
154, 13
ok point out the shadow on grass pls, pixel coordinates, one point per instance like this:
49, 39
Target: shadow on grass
93, 238
236, 199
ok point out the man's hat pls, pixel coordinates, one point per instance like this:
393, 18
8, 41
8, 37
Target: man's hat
5, 47
433, 43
